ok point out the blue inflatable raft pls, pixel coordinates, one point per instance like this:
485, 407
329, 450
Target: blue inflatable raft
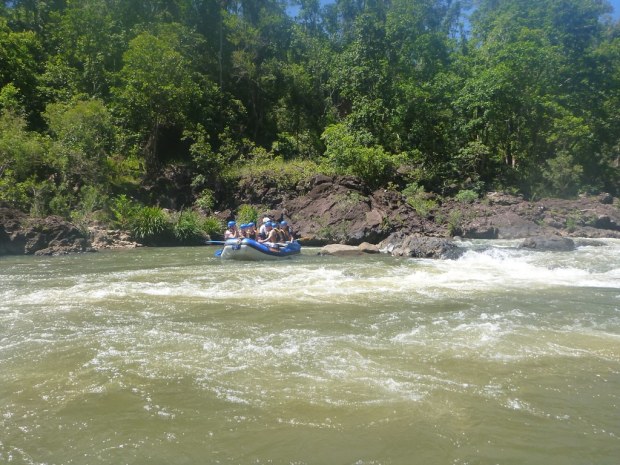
248, 249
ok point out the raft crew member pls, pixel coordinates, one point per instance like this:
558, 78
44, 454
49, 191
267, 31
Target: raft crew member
285, 232
279, 232
243, 230
262, 228
232, 231
274, 236
265, 232
251, 233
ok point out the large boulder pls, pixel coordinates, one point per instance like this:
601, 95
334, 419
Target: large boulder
22, 235
104, 238
404, 245
502, 216
549, 243
511, 225
341, 250
341, 209
335, 211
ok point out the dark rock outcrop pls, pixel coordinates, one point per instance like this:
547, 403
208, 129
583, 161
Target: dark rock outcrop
549, 243
22, 235
403, 245
339, 209
171, 189
502, 216
342, 210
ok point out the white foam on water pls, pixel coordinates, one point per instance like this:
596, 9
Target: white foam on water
385, 357
493, 268
516, 268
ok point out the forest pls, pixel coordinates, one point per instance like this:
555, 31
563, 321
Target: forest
99, 98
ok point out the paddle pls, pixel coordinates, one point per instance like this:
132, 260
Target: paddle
215, 242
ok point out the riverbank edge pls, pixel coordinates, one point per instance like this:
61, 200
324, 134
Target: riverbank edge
341, 210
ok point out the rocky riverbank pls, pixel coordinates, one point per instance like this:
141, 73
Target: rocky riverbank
21, 234
341, 210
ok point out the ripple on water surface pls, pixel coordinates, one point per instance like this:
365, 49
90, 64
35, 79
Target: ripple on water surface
171, 356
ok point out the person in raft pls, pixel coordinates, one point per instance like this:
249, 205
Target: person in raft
261, 230
264, 231
251, 232
232, 232
273, 235
274, 238
286, 232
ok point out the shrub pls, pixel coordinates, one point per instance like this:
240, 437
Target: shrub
571, 223
206, 200
82, 135
24, 160
419, 199
123, 211
455, 222
148, 223
247, 213
60, 204
346, 153
91, 201
187, 226
563, 175
212, 226
285, 174
466, 196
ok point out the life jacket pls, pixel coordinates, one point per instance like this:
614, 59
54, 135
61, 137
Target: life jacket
285, 236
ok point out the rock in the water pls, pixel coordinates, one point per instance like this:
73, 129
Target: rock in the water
551, 243
369, 248
402, 245
340, 250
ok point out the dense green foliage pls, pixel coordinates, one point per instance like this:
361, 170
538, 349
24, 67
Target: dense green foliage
155, 225
99, 96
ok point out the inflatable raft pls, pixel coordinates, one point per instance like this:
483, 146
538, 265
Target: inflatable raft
248, 249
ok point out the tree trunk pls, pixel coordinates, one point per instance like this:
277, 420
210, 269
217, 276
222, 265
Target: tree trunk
151, 158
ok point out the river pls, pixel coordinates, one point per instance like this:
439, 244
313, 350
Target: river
171, 356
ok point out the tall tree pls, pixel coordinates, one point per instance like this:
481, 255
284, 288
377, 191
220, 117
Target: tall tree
89, 44
259, 37
158, 88
20, 54
421, 56
529, 97
83, 136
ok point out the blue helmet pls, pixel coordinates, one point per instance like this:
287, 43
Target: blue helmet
283, 223
231, 224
